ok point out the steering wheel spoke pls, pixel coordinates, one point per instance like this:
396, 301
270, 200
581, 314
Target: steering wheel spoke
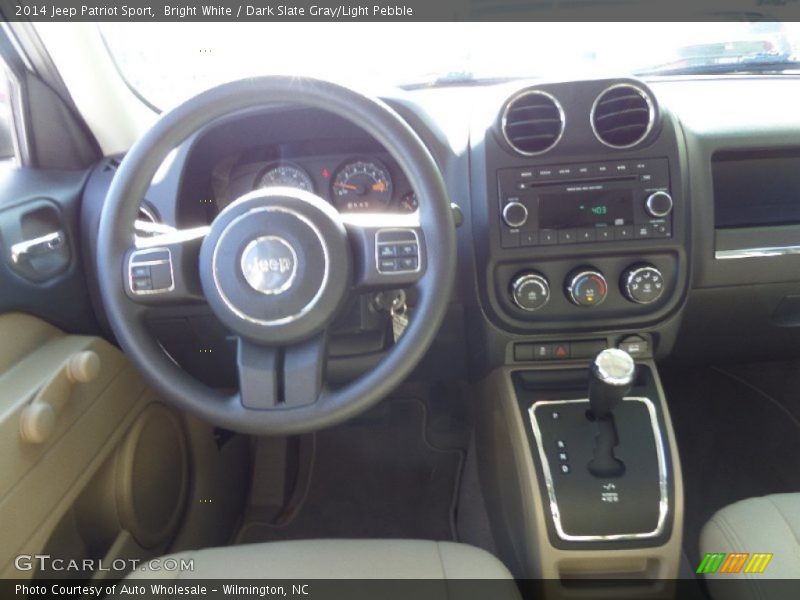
274, 378
163, 269
389, 251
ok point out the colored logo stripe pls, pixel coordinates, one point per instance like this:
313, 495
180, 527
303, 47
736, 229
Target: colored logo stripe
736, 562
758, 562
711, 563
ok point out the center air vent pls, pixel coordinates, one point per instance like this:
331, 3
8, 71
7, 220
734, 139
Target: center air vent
533, 122
622, 116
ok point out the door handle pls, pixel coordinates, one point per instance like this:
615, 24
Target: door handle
37, 246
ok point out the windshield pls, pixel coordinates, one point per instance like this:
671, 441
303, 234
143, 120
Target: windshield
168, 62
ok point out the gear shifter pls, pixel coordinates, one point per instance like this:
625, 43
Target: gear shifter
610, 378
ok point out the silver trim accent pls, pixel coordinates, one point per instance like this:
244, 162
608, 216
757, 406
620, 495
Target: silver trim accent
175, 236
312, 303
633, 273
378, 244
518, 96
148, 214
756, 252
38, 246
286, 284
663, 505
612, 359
654, 213
148, 263
520, 281
650, 120
580, 274
505, 217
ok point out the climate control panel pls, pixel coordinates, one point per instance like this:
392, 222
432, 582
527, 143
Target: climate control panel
567, 291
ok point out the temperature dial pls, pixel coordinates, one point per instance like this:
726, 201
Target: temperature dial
643, 284
530, 291
586, 287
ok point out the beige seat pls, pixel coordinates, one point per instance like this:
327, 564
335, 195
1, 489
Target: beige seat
343, 559
770, 524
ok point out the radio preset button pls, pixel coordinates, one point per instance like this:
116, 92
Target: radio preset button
623, 232
515, 214
586, 287
530, 291
587, 234
605, 234
548, 237
567, 236
528, 238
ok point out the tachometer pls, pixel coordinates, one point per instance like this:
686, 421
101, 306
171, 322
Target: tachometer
285, 175
362, 186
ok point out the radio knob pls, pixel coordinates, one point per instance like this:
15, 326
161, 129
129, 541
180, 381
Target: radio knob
515, 214
530, 291
658, 204
642, 284
586, 287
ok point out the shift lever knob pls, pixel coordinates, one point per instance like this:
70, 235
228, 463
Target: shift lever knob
611, 377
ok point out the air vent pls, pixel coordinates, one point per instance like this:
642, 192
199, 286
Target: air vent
622, 116
533, 122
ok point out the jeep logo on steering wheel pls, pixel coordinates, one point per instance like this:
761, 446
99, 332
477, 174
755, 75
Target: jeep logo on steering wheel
269, 265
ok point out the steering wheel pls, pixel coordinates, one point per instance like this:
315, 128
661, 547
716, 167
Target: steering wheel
276, 266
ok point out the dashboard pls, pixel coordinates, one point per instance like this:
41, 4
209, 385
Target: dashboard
595, 212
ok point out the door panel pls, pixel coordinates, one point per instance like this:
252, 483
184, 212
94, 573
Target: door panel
39, 481
35, 204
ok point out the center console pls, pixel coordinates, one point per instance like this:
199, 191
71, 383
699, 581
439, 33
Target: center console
580, 227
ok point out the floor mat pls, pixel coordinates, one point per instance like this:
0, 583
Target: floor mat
735, 441
376, 476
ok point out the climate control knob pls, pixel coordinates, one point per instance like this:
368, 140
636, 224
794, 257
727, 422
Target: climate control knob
586, 287
642, 284
658, 204
515, 214
530, 291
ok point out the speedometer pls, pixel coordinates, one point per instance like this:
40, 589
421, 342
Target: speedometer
362, 186
285, 175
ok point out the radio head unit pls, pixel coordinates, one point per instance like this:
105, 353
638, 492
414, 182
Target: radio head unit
594, 202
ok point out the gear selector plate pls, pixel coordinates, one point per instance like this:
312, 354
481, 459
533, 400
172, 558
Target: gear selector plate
588, 508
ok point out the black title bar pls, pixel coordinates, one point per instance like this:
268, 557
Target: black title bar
401, 10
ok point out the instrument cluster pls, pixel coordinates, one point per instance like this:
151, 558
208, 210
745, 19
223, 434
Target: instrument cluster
351, 183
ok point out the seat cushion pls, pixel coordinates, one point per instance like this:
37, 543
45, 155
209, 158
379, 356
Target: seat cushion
770, 524
338, 559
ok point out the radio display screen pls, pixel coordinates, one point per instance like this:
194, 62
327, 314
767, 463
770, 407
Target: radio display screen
589, 208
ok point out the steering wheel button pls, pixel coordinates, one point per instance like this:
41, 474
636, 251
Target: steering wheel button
161, 275
408, 250
140, 271
407, 264
387, 251
387, 265
142, 284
